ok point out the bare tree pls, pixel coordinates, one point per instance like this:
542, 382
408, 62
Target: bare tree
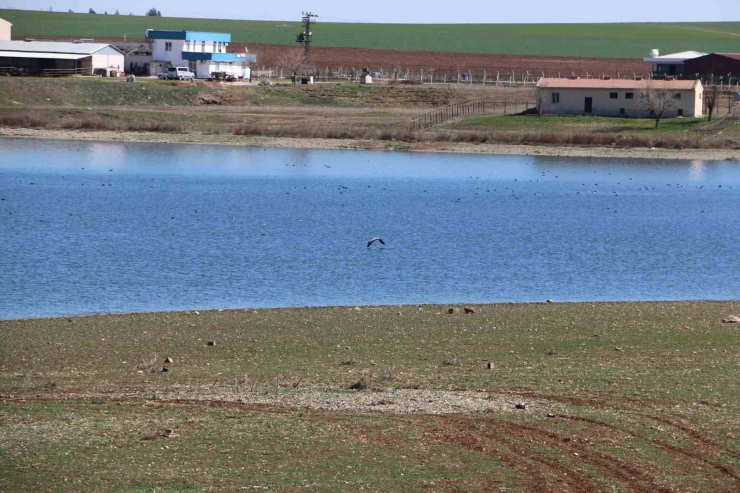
657, 100
711, 95
293, 60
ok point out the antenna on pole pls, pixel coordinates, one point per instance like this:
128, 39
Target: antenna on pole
305, 37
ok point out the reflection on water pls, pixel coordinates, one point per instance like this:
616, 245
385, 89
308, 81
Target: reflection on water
99, 227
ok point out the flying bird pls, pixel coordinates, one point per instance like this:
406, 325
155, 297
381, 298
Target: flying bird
374, 239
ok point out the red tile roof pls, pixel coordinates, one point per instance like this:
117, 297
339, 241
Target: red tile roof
616, 84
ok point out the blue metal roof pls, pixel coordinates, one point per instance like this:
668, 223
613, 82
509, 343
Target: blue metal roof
194, 56
198, 36
189, 36
152, 34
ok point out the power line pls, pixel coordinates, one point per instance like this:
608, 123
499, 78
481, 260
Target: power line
306, 36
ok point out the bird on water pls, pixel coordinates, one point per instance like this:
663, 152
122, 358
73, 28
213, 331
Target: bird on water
374, 239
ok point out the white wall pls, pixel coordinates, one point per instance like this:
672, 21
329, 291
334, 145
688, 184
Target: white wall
572, 102
5, 30
159, 53
206, 68
108, 61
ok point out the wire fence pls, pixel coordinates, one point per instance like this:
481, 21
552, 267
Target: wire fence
477, 106
45, 72
515, 77
449, 112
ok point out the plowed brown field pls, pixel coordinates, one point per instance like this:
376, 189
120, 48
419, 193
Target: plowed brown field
322, 57
268, 55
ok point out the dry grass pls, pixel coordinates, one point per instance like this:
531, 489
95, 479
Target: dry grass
364, 383
151, 365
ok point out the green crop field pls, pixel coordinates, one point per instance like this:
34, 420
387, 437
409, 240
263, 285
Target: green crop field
572, 40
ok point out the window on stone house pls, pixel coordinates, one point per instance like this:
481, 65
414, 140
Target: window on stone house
556, 97
613, 95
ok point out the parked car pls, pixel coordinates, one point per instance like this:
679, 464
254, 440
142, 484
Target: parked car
179, 73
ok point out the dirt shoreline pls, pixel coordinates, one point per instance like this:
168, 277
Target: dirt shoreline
354, 144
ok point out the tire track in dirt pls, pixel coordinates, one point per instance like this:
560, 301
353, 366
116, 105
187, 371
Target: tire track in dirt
515, 438
699, 456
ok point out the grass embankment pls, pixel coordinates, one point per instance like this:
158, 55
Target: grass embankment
621, 397
628, 40
336, 111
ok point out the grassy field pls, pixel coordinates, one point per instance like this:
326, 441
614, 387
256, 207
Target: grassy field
334, 110
93, 91
569, 40
584, 124
620, 397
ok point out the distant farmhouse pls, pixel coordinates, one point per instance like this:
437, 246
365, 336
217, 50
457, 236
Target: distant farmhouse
616, 97
672, 64
204, 53
5, 27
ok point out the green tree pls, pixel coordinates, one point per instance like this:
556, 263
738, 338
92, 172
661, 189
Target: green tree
91, 11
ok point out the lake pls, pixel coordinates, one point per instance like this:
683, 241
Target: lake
111, 227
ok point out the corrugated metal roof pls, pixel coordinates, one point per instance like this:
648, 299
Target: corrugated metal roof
53, 47
616, 84
54, 56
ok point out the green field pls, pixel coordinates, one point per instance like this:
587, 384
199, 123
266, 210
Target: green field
622, 397
573, 40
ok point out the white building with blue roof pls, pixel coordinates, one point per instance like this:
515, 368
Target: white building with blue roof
204, 53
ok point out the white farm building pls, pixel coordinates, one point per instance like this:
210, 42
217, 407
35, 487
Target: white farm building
614, 97
52, 58
203, 53
671, 64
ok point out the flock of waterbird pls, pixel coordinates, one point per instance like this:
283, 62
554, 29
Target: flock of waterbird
515, 192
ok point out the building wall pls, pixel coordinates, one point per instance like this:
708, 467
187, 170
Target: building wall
108, 60
174, 57
572, 102
5, 28
716, 65
206, 68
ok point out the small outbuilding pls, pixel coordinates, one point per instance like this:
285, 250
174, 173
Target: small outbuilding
52, 58
615, 97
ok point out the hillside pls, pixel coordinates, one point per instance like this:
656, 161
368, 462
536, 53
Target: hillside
570, 40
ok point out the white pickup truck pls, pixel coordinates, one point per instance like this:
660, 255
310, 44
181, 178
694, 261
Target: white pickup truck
177, 73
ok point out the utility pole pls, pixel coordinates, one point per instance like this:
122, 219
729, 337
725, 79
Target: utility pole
305, 37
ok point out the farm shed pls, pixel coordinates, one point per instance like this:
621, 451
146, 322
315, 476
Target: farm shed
138, 56
672, 64
5, 30
616, 97
725, 65
58, 58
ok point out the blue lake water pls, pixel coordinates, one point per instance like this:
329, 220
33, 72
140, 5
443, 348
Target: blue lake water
109, 227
